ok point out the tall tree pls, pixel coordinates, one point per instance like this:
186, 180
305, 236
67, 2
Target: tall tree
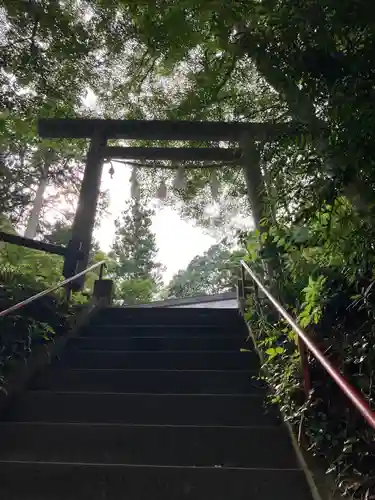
60, 233
134, 253
49, 58
213, 272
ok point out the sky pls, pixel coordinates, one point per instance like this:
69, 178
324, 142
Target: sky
178, 241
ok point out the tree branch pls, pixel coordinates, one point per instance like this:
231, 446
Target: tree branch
299, 103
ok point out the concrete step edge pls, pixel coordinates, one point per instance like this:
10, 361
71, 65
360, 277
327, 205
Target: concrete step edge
145, 394
239, 371
168, 326
158, 337
142, 466
169, 351
271, 428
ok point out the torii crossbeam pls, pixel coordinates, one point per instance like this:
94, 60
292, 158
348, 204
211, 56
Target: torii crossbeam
99, 131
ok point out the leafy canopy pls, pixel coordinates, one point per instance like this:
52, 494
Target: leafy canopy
213, 272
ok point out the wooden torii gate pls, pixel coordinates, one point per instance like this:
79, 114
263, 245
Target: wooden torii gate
248, 139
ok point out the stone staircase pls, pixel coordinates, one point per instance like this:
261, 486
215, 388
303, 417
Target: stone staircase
149, 404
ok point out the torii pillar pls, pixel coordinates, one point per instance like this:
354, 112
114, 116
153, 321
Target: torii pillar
250, 134
84, 220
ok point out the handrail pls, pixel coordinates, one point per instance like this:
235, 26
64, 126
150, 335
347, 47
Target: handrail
352, 394
52, 289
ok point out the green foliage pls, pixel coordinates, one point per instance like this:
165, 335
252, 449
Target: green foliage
48, 63
326, 281
133, 254
313, 302
135, 290
213, 272
24, 273
59, 234
36, 323
257, 61
32, 264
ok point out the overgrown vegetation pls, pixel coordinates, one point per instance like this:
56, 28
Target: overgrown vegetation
24, 273
326, 281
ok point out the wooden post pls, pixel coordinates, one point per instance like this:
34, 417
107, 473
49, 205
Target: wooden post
241, 291
103, 292
84, 220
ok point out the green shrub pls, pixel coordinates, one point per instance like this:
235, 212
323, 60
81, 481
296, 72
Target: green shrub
326, 281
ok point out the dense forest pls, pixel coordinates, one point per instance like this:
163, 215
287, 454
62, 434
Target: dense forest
310, 62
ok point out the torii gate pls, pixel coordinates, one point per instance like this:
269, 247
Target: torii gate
248, 138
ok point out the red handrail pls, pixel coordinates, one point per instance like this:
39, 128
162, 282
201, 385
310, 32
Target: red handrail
52, 289
353, 394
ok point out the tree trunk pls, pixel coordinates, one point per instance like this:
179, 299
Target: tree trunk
254, 180
33, 221
256, 195
300, 105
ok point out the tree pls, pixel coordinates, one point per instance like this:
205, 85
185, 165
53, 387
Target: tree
213, 272
36, 83
60, 232
134, 252
56, 169
135, 290
49, 61
243, 61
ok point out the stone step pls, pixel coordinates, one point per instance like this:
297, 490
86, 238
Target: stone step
145, 445
162, 330
165, 360
176, 343
45, 481
233, 410
179, 316
165, 408
149, 381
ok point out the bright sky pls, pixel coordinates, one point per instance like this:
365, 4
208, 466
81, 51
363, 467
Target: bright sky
178, 241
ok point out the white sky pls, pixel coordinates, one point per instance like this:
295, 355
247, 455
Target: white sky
178, 241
